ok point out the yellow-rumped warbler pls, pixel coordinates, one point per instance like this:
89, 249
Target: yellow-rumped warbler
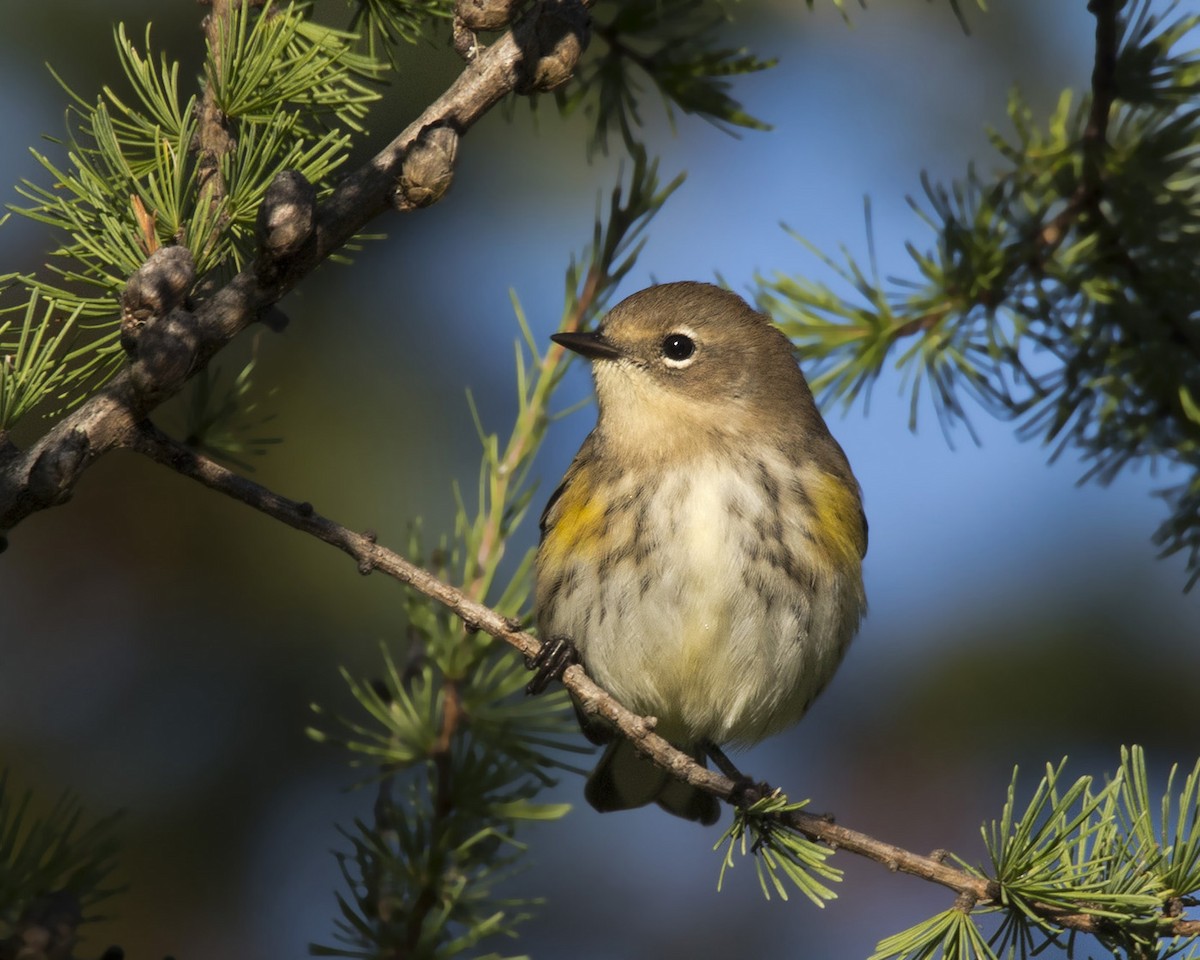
704, 552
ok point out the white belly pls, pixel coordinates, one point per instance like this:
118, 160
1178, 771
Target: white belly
705, 631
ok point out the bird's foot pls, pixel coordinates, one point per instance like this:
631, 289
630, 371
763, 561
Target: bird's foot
746, 790
550, 663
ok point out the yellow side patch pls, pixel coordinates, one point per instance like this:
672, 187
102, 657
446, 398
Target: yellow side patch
838, 527
578, 525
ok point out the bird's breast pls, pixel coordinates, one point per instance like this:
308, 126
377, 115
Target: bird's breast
706, 600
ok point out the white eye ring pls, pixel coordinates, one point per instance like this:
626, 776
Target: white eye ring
679, 348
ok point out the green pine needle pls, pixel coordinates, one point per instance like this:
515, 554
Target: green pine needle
35, 359
223, 418
52, 850
951, 935
127, 181
783, 857
387, 23
672, 43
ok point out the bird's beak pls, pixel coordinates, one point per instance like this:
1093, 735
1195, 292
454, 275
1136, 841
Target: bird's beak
594, 346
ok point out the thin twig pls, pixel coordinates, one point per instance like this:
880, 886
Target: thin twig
592, 700
1104, 72
491, 543
214, 139
1094, 142
442, 792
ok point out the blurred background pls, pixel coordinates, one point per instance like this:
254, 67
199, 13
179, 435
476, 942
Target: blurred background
160, 645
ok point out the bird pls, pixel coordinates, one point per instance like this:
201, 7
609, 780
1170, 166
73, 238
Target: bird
702, 557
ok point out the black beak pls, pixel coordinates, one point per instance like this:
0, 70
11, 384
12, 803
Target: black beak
594, 346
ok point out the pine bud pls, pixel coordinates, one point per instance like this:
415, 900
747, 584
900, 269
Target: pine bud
428, 168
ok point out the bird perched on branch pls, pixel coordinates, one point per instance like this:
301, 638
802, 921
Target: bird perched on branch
702, 557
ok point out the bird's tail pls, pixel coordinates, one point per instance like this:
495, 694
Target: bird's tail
623, 779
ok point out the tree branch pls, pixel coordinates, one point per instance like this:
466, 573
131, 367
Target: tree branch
1093, 143
592, 700
539, 52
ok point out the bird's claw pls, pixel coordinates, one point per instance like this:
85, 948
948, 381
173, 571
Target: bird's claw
550, 663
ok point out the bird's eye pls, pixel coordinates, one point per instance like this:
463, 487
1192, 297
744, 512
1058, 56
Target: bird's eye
678, 349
